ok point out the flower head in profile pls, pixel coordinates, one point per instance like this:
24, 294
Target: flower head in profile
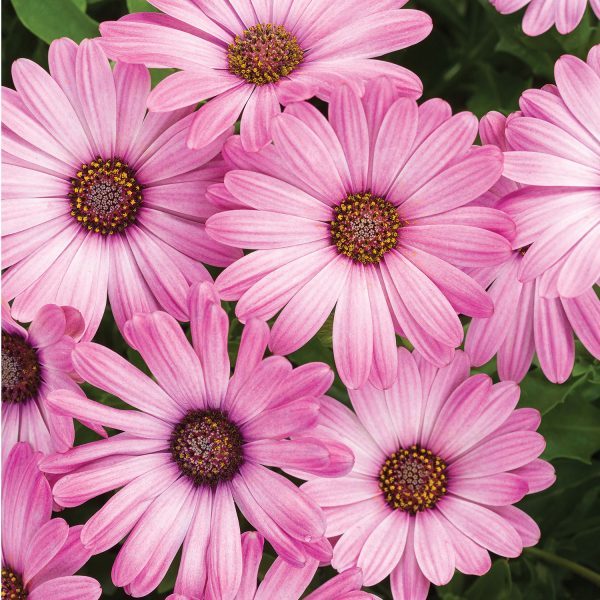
293, 580
541, 15
39, 554
526, 320
198, 444
366, 213
440, 458
252, 56
35, 362
100, 198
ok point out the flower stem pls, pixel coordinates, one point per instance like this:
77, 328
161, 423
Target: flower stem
566, 564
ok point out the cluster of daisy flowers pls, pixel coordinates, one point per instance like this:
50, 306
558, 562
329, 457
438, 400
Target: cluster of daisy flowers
384, 213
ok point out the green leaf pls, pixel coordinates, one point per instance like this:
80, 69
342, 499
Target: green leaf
572, 430
496, 584
140, 6
53, 19
80, 4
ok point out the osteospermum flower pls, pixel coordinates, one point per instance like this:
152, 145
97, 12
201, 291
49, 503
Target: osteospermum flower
541, 15
39, 554
35, 362
252, 56
366, 213
440, 458
556, 145
284, 580
197, 446
525, 321
99, 197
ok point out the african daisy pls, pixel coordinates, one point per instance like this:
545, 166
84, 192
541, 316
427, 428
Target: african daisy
39, 554
197, 446
440, 458
251, 56
365, 212
524, 320
98, 197
542, 14
35, 362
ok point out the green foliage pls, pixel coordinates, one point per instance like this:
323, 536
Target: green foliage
477, 60
54, 19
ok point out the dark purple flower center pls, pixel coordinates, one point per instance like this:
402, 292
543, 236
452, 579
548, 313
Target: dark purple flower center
105, 196
264, 54
413, 480
207, 446
20, 369
12, 585
364, 227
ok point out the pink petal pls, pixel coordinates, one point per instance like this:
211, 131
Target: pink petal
407, 580
515, 355
500, 453
43, 547
163, 518
374, 35
578, 85
255, 128
77, 406
98, 96
306, 312
378, 558
353, 322
114, 374
187, 88
67, 588
281, 576
158, 338
584, 314
218, 115
553, 337
433, 548
263, 192
483, 526
494, 490
462, 182
538, 168
193, 569
348, 119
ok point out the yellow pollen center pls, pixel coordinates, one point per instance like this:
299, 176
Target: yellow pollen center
12, 585
207, 447
264, 53
105, 196
364, 227
413, 479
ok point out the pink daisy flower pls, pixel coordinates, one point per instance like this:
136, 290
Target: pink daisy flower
197, 446
98, 197
36, 362
39, 554
365, 212
440, 458
250, 56
556, 145
541, 15
284, 580
525, 321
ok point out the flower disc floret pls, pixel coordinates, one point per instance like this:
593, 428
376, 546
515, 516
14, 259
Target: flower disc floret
105, 196
364, 227
264, 53
413, 479
20, 370
12, 585
207, 447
